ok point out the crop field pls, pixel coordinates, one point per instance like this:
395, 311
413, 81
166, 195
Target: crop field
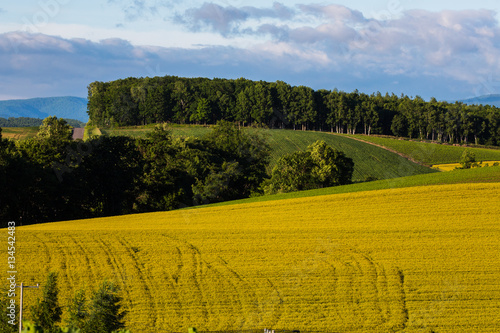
431, 153
416, 259
369, 161
19, 133
454, 166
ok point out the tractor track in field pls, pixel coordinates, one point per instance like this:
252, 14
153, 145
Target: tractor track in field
359, 287
386, 148
147, 285
82, 250
218, 287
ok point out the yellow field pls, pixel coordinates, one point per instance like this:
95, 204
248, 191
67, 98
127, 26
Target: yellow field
453, 166
413, 259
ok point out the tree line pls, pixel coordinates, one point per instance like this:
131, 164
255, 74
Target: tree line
141, 101
53, 178
33, 122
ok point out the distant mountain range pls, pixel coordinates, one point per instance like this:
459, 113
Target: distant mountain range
62, 107
493, 100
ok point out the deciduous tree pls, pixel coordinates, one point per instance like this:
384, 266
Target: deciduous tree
319, 166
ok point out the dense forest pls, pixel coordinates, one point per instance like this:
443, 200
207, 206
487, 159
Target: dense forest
140, 101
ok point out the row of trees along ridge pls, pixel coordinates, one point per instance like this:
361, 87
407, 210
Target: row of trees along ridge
141, 101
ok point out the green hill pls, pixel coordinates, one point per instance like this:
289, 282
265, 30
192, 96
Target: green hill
370, 162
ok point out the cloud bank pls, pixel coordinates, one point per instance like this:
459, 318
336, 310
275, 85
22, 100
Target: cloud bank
414, 41
448, 54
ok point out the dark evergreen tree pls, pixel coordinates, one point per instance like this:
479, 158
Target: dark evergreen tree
77, 311
47, 312
105, 312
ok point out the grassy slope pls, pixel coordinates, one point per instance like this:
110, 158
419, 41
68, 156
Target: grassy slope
431, 153
415, 259
91, 131
19, 133
369, 161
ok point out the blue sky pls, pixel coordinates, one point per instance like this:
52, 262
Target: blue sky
444, 49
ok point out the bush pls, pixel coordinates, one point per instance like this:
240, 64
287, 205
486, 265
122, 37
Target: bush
320, 166
468, 160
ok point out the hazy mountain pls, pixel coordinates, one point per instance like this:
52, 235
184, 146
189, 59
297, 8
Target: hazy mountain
62, 107
493, 100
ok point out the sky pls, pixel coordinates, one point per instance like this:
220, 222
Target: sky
444, 49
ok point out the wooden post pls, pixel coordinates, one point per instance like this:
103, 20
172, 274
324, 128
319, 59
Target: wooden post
22, 286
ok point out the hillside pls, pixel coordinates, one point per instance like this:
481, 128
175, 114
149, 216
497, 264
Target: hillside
409, 259
370, 162
63, 107
430, 153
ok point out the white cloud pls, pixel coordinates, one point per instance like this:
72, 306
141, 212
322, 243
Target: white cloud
226, 20
333, 12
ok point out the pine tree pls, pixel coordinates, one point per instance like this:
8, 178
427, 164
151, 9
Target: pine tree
46, 312
105, 313
77, 311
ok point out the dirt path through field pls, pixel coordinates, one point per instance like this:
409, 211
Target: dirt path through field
388, 149
78, 133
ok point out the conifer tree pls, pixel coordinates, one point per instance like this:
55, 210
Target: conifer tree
46, 312
105, 313
77, 311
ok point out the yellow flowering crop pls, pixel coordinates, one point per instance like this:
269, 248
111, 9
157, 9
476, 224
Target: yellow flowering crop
453, 166
413, 259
